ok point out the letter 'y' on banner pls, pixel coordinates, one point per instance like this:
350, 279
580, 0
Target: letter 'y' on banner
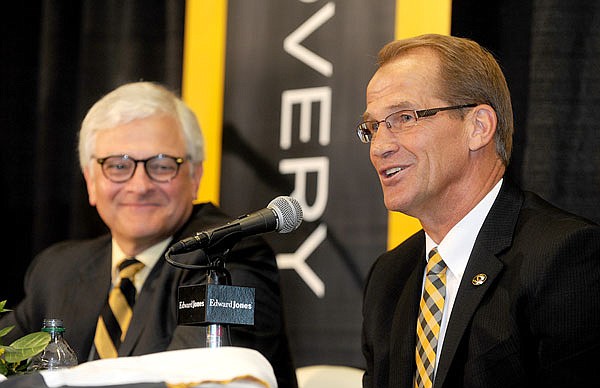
416, 17
203, 82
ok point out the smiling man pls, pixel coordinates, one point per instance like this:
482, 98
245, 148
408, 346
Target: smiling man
500, 288
141, 152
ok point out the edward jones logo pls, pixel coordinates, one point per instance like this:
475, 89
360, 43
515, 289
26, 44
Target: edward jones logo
232, 304
191, 305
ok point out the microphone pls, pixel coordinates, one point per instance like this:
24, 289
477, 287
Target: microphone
282, 214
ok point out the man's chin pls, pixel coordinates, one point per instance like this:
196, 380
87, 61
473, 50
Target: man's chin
394, 203
147, 231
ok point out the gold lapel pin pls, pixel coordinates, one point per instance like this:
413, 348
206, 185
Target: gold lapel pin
479, 279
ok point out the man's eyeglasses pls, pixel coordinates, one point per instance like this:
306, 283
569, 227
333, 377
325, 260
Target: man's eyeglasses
120, 168
399, 121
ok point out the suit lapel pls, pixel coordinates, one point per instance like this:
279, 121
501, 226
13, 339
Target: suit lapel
468, 298
93, 282
91, 292
496, 234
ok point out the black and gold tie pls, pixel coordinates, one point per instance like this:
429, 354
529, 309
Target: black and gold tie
116, 314
430, 318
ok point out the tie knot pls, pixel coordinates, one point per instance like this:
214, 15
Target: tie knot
435, 265
129, 267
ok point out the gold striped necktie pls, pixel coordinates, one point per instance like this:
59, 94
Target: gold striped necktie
430, 318
116, 314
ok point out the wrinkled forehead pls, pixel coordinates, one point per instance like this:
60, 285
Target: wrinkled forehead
142, 138
408, 82
417, 63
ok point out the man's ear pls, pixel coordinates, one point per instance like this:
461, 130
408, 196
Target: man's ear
482, 131
197, 171
90, 184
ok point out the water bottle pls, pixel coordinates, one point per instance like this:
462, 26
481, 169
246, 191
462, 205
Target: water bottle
58, 354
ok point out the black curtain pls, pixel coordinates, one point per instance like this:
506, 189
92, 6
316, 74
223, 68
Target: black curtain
550, 51
59, 57
505, 28
562, 158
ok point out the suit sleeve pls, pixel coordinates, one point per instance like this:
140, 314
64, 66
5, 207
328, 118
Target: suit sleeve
566, 309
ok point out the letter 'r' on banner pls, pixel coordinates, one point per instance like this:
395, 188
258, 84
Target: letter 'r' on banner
426, 16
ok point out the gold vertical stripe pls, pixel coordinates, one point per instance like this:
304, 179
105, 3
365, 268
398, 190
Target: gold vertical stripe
203, 82
415, 17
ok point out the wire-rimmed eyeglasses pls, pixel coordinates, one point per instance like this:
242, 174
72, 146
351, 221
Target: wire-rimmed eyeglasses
400, 121
159, 168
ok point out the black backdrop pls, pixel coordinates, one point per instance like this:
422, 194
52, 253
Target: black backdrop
58, 57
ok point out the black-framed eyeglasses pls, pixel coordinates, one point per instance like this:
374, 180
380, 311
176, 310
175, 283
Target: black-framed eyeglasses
120, 168
401, 120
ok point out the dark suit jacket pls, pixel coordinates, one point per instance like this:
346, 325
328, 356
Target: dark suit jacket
71, 280
535, 321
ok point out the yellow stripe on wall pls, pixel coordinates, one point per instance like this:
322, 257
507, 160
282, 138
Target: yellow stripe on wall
416, 17
203, 82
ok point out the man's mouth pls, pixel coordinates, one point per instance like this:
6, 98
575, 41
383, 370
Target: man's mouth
392, 171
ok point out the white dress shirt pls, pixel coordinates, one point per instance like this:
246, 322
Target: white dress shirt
455, 250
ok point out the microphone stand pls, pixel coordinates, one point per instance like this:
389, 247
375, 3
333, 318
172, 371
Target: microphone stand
239, 310
218, 275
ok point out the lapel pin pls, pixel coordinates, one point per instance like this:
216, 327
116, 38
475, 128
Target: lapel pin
479, 279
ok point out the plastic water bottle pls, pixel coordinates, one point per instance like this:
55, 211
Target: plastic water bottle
58, 354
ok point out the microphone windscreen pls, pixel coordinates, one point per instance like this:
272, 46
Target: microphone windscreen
289, 213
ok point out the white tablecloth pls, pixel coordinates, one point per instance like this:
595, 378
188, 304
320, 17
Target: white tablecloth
230, 367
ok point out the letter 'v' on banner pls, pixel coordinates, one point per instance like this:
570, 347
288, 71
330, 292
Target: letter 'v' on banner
425, 16
203, 82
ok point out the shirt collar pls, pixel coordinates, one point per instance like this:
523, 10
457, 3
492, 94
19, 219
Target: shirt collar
149, 256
